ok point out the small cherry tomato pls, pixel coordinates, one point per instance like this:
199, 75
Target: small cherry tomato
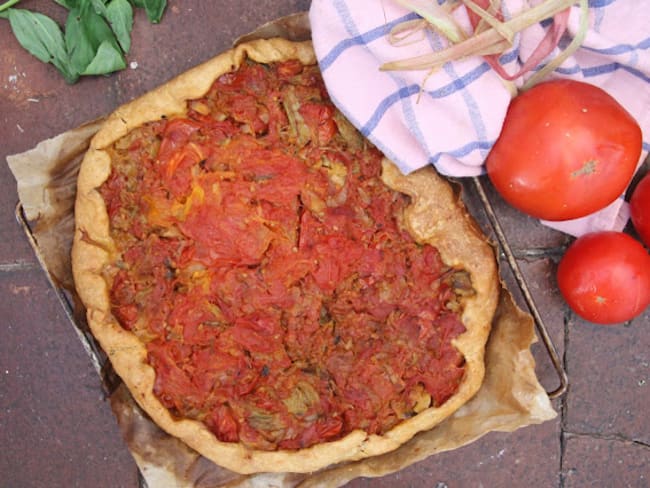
640, 209
566, 150
605, 277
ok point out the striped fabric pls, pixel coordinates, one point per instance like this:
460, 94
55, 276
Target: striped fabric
450, 118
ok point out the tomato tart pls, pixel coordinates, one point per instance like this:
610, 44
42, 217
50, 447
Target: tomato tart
270, 288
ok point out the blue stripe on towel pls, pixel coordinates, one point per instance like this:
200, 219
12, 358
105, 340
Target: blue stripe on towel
620, 48
405, 92
600, 3
385, 104
601, 70
611, 67
357, 39
459, 83
463, 150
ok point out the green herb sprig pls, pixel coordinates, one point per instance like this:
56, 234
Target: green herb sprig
94, 41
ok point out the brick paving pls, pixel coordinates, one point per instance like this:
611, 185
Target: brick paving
56, 427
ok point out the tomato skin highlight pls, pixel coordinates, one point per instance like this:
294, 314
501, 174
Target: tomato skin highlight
640, 209
566, 150
605, 277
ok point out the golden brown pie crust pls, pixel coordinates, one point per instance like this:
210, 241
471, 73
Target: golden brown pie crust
436, 216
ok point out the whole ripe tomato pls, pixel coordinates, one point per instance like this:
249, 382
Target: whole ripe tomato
605, 277
566, 149
640, 209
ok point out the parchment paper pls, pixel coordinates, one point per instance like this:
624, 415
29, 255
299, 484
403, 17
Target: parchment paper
510, 398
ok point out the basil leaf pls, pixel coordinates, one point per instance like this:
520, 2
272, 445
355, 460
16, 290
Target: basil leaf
39, 34
97, 34
120, 17
81, 48
86, 33
69, 4
107, 60
154, 9
99, 7
42, 37
97, 29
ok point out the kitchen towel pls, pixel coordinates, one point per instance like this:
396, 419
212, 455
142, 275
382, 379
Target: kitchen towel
451, 117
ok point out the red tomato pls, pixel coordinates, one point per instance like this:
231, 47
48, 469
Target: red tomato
605, 277
566, 149
640, 209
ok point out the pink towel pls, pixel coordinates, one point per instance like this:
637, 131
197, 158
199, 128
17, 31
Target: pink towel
452, 117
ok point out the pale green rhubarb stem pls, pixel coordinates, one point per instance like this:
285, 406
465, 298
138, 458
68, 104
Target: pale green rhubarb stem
491, 41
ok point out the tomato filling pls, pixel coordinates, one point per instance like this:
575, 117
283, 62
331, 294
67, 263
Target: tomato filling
267, 269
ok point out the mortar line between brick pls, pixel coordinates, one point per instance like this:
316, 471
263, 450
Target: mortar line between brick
18, 266
608, 437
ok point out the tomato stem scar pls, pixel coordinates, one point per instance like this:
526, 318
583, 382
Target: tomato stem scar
587, 169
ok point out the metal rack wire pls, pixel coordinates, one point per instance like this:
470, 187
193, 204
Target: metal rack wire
523, 287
